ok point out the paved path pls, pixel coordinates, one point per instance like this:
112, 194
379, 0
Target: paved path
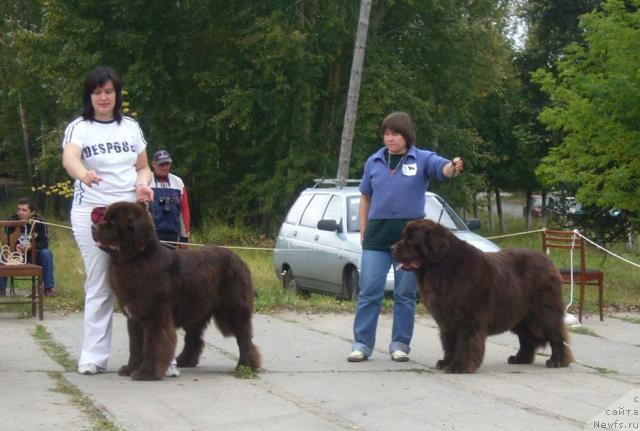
308, 384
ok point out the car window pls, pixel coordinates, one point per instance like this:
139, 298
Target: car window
298, 207
438, 210
353, 214
314, 210
334, 209
435, 209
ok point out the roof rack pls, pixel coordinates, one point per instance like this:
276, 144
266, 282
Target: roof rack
333, 182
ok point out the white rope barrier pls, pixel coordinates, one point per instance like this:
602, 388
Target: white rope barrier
606, 251
515, 234
297, 250
8, 257
33, 221
228, 246
190, 244
578, 234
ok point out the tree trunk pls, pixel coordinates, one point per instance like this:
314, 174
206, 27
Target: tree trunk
475, 206
499, 210
329, 117
25, 139
527, 211
631, 237
304, 22
544, 214
489, 210
354, 92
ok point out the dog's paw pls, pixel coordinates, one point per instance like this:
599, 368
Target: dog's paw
455, 368
442, 364
144, 375
515, 360
186, 362
555, 364
526, 358
124, 371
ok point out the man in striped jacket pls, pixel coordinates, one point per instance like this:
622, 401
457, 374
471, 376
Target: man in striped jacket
170, 208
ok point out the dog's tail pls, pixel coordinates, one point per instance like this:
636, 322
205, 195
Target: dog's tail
567, 355
238, 282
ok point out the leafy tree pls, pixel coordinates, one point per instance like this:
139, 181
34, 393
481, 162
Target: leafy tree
249, 96
435, 60
501, 154
17, 121
552, 25
596, 108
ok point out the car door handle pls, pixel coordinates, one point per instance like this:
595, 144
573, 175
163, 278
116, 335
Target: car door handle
315, 237
295, 233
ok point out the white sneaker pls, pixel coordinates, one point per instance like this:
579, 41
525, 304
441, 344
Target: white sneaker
89, 369
399, 356
356, 356
172, 371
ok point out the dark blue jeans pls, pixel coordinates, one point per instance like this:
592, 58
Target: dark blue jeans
44, 258
374, 267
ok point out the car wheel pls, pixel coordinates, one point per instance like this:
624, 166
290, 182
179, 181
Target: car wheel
288, 281
289, 284
350, 284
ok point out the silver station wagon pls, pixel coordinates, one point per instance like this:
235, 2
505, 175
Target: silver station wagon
318, 248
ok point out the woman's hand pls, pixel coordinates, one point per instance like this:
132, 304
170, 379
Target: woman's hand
90, 177
365, 203
458, 165
453, 168
144, 193
72, 162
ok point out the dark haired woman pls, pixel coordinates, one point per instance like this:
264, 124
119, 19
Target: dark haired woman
106, 154
392, 193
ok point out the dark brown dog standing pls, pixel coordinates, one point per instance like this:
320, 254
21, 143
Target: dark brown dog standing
472, 294
161, 289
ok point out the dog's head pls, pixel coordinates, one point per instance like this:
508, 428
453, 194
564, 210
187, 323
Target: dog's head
424, 243
127, 229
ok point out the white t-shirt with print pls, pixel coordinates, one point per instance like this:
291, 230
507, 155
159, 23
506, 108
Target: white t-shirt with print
111, 150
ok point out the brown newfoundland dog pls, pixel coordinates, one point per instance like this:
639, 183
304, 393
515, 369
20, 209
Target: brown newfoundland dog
161, 289
472, 294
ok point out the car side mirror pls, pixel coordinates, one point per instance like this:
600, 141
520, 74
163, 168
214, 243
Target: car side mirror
473, 223
330, 225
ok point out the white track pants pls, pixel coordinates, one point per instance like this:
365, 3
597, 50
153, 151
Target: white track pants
99, 298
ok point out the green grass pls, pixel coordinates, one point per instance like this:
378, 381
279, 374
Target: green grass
583, 331
622, 281
605, 370
630, 319
245, 372
58, 353
272, 296
69, 275
55, 351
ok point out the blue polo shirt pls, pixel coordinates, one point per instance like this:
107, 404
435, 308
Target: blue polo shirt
396, 198
400, 195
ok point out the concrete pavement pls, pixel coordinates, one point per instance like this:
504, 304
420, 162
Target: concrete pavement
308, 384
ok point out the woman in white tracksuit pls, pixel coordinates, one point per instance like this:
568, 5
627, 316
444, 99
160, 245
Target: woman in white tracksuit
106, 154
